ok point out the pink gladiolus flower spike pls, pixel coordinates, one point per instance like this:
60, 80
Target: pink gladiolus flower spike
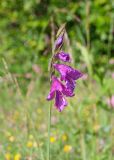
69, 75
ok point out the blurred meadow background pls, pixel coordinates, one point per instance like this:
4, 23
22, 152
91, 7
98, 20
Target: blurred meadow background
85, 129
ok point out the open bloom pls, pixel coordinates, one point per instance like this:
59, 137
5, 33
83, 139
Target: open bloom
68, 74
58, 91
63, 56
59, 41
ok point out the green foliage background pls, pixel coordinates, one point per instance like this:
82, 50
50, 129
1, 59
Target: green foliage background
25, 29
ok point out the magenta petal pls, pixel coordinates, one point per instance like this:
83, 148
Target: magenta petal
66, 70
68, 92
61, 69
70, 85
60, 101
56, 85
75, 74
63, 56
50, 96
69, 88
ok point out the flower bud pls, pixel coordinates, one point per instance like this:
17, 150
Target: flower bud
59, 41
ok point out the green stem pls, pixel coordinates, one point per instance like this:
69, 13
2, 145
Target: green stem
49, 112
49, 127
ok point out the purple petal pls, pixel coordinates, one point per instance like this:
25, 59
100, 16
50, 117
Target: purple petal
75, 74
51, 95
61, 69
59, 42
66, 70
68, 92
56, 85
70, 85
69, 88
60, 101
63, 56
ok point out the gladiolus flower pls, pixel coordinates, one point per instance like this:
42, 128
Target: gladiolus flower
63, 56
57, 90
67, 72
69, 75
